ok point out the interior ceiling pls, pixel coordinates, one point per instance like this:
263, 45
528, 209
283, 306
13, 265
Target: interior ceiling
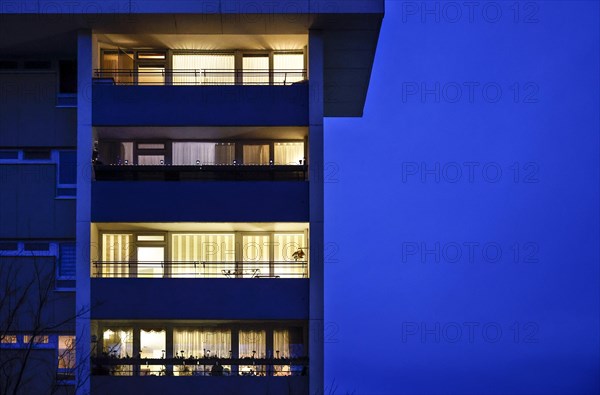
205, 41
191, 133
203, 226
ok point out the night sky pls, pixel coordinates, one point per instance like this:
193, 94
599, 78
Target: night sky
462, 210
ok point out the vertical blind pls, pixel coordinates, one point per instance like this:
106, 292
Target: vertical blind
203, 69
116, 248
191, 153
287, 68
203, 248
285, 246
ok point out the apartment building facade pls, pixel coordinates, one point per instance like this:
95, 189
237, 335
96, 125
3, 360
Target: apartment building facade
162, 190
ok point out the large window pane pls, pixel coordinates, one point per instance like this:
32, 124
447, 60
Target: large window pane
256, 69
152, 346
252, 345
256, 154
204, 249
256, 253
198, 69
202, 343
116, 248
289, 153
288, 68
290, 255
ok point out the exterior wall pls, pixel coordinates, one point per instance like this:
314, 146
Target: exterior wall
294, 385
169, 299
28, 112
43, 308
28, 207
199, 201
200, 105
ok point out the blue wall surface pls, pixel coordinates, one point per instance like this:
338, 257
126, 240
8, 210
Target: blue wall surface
463, 223
118, 201
123, 105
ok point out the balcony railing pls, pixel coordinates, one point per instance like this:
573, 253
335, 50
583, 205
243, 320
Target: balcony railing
104, 366
197, 269
200, 172
199, 77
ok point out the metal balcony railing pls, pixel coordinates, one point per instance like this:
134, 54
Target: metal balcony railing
105, 366
197, 269
199, 77
200, 172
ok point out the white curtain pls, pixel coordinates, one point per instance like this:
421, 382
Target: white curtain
197, 343
203, 248
286, 244
252, 341
224, 153
256, 255
118, 342
256, 70
289, 153
150, 159
281, 343
288, 68
190, 153
116, 248
211, 69
152, 345
256, 154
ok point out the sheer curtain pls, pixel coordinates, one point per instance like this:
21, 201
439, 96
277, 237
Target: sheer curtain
151, 160
211, 69
255, 154
289, 153
118, 342
201, 342
152, 345
256, 255
256, 70
224, 153
189, 153
116, 248
253, 344
286, 244
203, 248
288, 68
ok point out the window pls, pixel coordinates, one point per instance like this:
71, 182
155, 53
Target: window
195, 153
39, 339
256, 69
67, 174
201, 343
37, 155
203, 69
288, 68
67, 70
66, 352
9, 155
9, 339
152, 346
66, 260
253, 344
118, 343
289, 153
36, 247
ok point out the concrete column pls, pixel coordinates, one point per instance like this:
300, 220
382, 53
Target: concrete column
83, 208
316, 202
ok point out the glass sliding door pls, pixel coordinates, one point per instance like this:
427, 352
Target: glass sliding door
256, 154
255, 69
291, 153
256, 255
291, 255
288, 68
116, 253
203, 69
150, 262
152, 346
203, 255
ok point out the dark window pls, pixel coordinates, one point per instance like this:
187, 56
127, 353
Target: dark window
67, 167
36, 155
38, 64
66, 260
8, 246
37, 246
8, 64
9, 154
68, 76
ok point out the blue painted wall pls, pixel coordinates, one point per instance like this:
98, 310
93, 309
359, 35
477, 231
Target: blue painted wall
430, 317
190, 298
216, 201
200, 105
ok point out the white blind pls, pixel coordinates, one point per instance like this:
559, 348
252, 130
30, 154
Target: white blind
288, 68
203, 248
194, 69
289, 153
116, 248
